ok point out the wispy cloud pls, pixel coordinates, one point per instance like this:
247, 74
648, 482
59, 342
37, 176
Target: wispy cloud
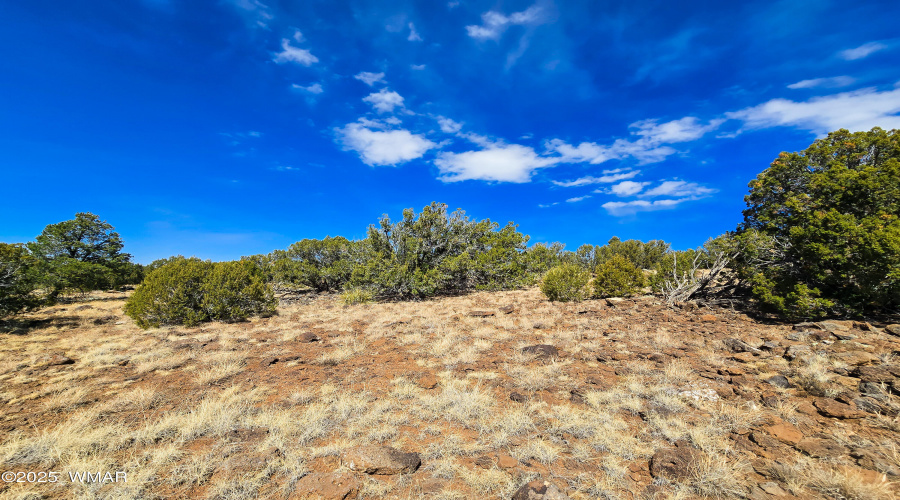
857, 110
623, 208
649, 147
578, 198
448, 126
413, 34
384, 101
256, 13
370, 78
627, 188
315, 88
678, 188
604, 179
383, 147
864, 50
828, 83
297, 55
493, 23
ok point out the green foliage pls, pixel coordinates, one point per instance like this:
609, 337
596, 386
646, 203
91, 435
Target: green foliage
565, 283
541, 257
822, 227
236, 290
80, 255
436, 252
355, 296
18, 280
617, 277
190, 291
675, 264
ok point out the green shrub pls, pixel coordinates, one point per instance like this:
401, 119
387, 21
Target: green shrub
18, 280
236, 290
566, 283
617, 277
355, 296
821, 232
190, 291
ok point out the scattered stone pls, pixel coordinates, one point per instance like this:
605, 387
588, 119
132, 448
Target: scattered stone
769, 346
872, 388
505, 461
508, 309
893, 329
858, 358
614, 301
53, 360
326, 486
844, 336
539, 325
542, 350
84, 307
797, 351
834, 409
779, 381
708, 318
830, 326
105, 320
821, 448
674, 463
518, 398
736, 345
876, 374
539, 490
772, 489
373, 459
869, 459
658, 357
806, 326
481, 314
786, 433
428, 381
744, 357
484, 462
309, 337
698, 394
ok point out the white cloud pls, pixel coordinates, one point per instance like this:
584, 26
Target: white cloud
649, 147
417, 67
678, 189
413, 34
493, 23
384, 101
682, 130
617, 175
370, 78
383, 147
294, 54
628, 188
829, 83
254, 12
578, 198
548, 205
622, 208
315, 88
857, 110
448, 126
501, 163
862, 51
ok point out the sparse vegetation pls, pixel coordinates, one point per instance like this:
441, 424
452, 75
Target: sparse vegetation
566, 283
618, 277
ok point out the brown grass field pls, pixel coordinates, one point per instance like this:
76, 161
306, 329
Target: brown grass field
638, 401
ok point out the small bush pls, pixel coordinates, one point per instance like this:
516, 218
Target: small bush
236, 290
357, 296
565, 283
618, 277
190, 291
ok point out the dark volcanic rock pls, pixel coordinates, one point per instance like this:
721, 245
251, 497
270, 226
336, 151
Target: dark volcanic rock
380, 460
779, 381
674, 463
542, 350
539, 490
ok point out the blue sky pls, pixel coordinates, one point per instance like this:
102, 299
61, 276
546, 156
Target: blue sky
221, 129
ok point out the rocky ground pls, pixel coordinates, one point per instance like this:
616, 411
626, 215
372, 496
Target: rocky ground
490, 395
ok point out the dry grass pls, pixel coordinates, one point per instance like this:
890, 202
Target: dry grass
212, 421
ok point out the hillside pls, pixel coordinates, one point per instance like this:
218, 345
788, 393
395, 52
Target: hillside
622, 399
